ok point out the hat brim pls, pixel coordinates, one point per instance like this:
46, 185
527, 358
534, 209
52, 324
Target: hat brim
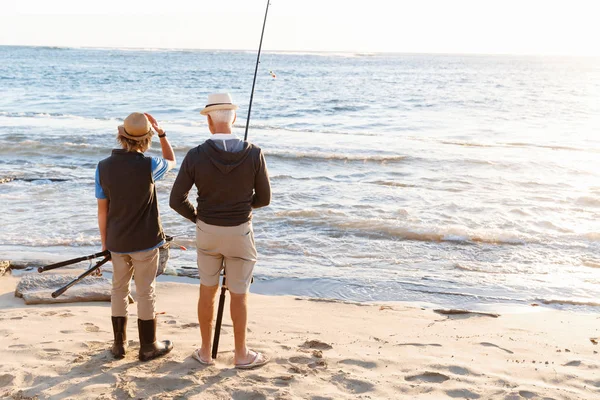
122, 132
216, 107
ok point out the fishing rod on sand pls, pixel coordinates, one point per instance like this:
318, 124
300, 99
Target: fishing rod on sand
163, 251
215, 347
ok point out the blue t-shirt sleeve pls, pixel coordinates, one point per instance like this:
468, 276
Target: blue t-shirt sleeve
99, 192
160, 167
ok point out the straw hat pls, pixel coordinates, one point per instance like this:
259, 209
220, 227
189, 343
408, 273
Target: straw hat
218, 101
136, 127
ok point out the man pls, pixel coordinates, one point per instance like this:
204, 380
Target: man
231, 178
131, 230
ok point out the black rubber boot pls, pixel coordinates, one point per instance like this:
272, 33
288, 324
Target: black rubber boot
150, 348
120, 331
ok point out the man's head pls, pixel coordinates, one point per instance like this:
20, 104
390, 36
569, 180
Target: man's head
220, 111
136, 133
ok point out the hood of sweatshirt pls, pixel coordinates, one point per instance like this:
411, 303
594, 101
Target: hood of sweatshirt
226, 161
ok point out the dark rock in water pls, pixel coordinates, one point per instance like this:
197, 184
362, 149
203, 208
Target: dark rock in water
37, 289
4, 267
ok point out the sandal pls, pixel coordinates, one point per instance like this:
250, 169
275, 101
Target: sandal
196, 356
258, 361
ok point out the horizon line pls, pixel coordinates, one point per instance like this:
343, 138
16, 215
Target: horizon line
324, 52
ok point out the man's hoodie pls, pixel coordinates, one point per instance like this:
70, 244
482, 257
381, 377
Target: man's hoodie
231, 179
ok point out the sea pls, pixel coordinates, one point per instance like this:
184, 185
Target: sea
451, 180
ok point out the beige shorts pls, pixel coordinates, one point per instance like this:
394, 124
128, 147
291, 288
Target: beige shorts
231, 247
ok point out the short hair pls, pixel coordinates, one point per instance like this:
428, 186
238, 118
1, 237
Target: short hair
135, 145
222, 116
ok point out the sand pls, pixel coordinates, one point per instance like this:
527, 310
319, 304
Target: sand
320, 350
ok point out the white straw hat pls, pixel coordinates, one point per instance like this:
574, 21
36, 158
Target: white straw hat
136, 127
218, 101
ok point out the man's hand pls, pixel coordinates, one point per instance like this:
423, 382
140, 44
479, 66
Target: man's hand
154, 124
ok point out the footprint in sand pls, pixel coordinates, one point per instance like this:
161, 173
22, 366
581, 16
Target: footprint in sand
6, 379
527, 394
17, 318
89, 327
486, 344
18, 346
420, 344
67, 314
462, 394
574, 363
431, 377
191, 325
67, 332
316, 344
244, 395
352, 385
48, 313
300, 360
50, 350
358, 363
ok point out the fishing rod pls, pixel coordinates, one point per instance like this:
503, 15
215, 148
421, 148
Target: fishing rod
107, 256
73, 261
215, 347
256, 72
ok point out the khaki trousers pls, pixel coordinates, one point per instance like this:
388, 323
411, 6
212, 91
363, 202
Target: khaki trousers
143, 266
231, 247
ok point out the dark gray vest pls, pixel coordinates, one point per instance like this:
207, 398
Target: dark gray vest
133, 219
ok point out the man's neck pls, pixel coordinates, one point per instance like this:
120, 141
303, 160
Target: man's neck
221, 128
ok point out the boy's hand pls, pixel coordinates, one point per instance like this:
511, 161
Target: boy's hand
154, 124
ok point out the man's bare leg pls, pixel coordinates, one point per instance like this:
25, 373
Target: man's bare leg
239, 316
206, 313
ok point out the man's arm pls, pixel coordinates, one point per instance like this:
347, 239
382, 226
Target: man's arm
262, 186
102, 217
179, 193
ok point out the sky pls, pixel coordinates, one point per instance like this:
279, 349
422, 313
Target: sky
556, 27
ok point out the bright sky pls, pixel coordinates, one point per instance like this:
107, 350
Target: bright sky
567, 27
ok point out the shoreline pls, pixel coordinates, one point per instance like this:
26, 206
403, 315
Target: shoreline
304, 288
319, 350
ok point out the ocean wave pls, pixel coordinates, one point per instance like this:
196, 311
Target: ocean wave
591, 263
63, 241
551, 147
317, 156
30, 114
463, 294
304, 130
588, 201
310, 213
390, 229
592, 236
392, 183
569, 302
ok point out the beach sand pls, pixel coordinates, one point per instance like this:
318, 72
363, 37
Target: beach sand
320, 350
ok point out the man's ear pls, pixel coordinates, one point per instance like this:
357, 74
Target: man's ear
234, 117
210, 123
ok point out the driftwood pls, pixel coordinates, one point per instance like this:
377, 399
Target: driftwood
37, 289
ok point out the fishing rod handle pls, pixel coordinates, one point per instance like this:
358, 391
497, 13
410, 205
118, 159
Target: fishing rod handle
73, 261
215, 348
80, 277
